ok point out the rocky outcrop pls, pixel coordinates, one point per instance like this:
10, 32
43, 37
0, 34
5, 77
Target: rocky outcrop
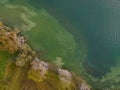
32, 68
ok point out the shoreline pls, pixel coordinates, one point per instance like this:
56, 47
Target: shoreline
37, 66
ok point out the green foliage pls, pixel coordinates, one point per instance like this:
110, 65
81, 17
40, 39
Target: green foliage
4, 57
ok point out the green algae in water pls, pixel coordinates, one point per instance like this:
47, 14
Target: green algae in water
48, 36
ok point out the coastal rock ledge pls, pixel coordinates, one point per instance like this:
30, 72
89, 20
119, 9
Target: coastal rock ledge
26, 70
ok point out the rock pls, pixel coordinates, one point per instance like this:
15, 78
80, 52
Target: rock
58, 62
65, 76
20, 63
38, 70
41, 66
84, 87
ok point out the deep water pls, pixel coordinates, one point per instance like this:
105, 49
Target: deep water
98, 20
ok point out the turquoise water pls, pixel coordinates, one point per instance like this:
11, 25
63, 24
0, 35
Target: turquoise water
84, 34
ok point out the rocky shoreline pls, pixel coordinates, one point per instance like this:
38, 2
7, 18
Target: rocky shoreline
37, 70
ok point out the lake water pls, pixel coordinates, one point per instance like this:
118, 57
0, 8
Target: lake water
98, 21
84, 33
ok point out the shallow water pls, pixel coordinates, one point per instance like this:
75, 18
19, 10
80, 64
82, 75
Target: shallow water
101, 26
99, 22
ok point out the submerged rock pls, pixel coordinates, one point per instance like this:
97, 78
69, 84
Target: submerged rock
84, 87
65, 76
40, 66
58, 62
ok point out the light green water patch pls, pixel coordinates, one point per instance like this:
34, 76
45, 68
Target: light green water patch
53, 40
4, 1
110, 81
4, 57
50, 37
17, 16
114, 74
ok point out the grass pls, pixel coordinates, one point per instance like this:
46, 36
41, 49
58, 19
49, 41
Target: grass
4, 57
